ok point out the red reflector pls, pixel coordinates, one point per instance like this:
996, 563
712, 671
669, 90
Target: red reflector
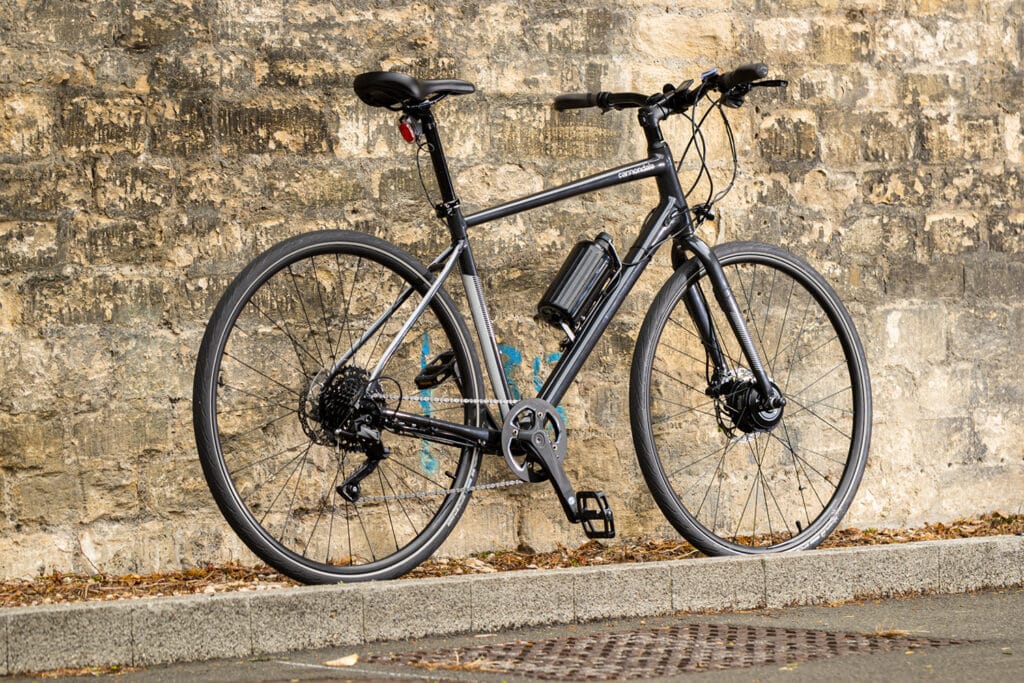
408, 134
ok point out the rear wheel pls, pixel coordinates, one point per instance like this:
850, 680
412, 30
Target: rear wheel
730, 477
285, 410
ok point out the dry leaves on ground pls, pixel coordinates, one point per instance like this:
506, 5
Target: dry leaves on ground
63, 588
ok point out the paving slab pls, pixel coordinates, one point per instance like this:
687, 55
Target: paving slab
63, 636
625, 590
306, 618
716, 581
515, 599
411, 609
192, 628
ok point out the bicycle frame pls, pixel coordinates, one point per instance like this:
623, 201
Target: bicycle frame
671, 219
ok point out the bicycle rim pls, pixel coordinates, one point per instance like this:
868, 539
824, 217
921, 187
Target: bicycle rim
264, 393
727, 485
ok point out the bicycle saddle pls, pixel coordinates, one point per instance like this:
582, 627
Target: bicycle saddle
392, 89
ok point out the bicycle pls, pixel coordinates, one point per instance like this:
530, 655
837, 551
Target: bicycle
750, 401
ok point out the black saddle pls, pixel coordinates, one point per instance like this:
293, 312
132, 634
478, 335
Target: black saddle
397, 90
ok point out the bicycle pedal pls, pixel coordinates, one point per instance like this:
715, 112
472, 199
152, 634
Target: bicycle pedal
600, 512
436, 371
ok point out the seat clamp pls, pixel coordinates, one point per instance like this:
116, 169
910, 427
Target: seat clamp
447, 209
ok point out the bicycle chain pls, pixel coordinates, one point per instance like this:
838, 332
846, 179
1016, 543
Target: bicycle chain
444, 492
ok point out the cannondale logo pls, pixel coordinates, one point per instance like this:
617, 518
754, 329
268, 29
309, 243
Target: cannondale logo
637, 171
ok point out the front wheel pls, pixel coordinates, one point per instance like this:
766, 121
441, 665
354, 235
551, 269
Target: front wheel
286, 409
730, 478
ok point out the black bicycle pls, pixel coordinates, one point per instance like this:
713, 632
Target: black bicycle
340, 408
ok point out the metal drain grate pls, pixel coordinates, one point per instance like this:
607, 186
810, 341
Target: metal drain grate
659, 652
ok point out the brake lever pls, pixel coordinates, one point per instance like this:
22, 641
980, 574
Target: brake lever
771, 83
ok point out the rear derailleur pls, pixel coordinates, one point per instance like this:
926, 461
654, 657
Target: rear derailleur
344, 410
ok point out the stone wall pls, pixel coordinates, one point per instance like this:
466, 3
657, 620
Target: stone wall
148, 149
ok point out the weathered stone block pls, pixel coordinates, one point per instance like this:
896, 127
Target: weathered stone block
26, 126
132, 190
27, 245
789, 137
103, 125
183, 127
262, 127
148, 24
28, 192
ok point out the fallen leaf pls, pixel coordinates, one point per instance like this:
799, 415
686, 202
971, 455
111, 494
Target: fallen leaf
350, 660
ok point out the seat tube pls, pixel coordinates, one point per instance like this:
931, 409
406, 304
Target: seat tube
450, 211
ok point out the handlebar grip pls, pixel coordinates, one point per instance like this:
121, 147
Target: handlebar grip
575, 101
744, 74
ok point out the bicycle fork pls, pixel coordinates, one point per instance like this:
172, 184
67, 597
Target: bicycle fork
770, 398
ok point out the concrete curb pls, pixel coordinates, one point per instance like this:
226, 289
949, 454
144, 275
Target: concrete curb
257, 623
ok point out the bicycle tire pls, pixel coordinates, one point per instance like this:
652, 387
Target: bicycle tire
259, 397
713, 480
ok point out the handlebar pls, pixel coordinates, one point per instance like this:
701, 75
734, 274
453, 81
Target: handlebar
734, 85
748, 73
604, 100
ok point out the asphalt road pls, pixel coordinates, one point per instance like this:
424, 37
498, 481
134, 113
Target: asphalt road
964, 637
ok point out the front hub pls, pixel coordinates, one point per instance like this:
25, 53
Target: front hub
748, 409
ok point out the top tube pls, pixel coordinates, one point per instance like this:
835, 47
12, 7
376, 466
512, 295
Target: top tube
638, 170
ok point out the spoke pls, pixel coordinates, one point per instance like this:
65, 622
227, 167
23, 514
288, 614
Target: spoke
718, 468
387, 509
295, 492
702, 458
323, 307
263, 400
300, 458
678, 381
405, 512
787, 445
824, 402
806, 465
348, 303
233, 472
296, 344
258, 428
262, 374
302, 305
316, 523
782, 325
804, 408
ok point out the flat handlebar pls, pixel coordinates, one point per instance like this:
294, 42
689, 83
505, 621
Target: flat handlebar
712, 80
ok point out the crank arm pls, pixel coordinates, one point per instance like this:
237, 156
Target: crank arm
538, 447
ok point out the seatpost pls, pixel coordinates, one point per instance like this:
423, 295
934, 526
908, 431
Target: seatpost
449, 201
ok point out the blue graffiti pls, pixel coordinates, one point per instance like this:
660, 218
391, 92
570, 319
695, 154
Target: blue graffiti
428, 463
511, 359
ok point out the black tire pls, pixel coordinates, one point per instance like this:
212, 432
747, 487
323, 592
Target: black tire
734, 491
268, 460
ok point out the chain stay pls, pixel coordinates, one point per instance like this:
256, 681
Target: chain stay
443, 492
